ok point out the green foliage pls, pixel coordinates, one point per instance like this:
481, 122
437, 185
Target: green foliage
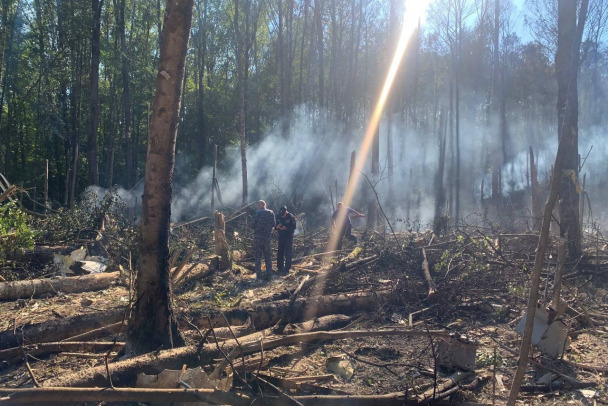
15, 233
489, 357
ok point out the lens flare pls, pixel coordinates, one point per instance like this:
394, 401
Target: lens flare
415, 12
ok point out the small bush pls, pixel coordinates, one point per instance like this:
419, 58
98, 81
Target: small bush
16, 236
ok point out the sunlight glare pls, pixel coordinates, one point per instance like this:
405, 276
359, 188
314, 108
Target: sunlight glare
415, 11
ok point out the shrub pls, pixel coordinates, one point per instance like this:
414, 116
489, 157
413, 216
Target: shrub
15, 233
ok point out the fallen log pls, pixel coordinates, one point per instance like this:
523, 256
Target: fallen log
111, 329
267, 314
166, 396
14, 396
56, 330
194, 271
322, 323
36, 287
263, 316
444, 386
70, 346
124, 372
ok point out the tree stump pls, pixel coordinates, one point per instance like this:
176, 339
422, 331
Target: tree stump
221, 245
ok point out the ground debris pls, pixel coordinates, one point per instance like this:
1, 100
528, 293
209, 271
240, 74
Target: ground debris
383, 336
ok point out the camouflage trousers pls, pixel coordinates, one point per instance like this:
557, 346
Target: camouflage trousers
262, 250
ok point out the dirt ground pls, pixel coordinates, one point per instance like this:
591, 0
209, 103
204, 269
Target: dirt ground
482, 284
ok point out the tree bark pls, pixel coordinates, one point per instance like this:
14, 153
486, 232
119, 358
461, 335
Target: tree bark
94, 96
240, 74
536, 272
536, 204
152, 325
318, 12
221, 245
58, 329
126, 96
36, 287
567, 60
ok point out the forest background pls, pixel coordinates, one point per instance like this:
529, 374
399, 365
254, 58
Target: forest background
285, 89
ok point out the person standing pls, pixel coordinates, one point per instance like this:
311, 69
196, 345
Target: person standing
262, 224
286, 225
341, 225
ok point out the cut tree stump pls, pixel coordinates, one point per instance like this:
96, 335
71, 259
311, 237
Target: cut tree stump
221, 244
36, 287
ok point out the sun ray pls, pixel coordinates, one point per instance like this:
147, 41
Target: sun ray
415, 12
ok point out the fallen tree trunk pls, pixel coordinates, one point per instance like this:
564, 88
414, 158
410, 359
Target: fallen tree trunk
322, 323
124, 372
263, 316
66, 346
194, 271
36, 287
111, 329
66, 395
267, 314
56, 330
165, 396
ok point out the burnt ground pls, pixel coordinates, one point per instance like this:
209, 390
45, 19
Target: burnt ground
482, 280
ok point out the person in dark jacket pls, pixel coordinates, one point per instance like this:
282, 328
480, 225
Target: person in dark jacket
286, 225
262, 224
341, 225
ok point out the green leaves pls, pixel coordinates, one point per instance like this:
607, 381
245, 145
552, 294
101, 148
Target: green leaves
15, 233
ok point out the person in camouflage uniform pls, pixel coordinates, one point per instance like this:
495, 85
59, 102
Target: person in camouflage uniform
263, 223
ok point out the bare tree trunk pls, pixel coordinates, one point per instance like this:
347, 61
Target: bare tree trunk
372, 216
536, 207
153, 325
569, 114
221, 245
496, 151
202, 55
567, 60
240, 63
318, 10
126, 96
440, 220
94, 96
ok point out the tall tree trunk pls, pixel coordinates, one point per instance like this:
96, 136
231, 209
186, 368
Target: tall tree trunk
372, 216
153, 325
318, 10
126, 95
496, 154
240, 67
202, 54
305, 8
440, 218
535, 188
94, 95
567, 60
